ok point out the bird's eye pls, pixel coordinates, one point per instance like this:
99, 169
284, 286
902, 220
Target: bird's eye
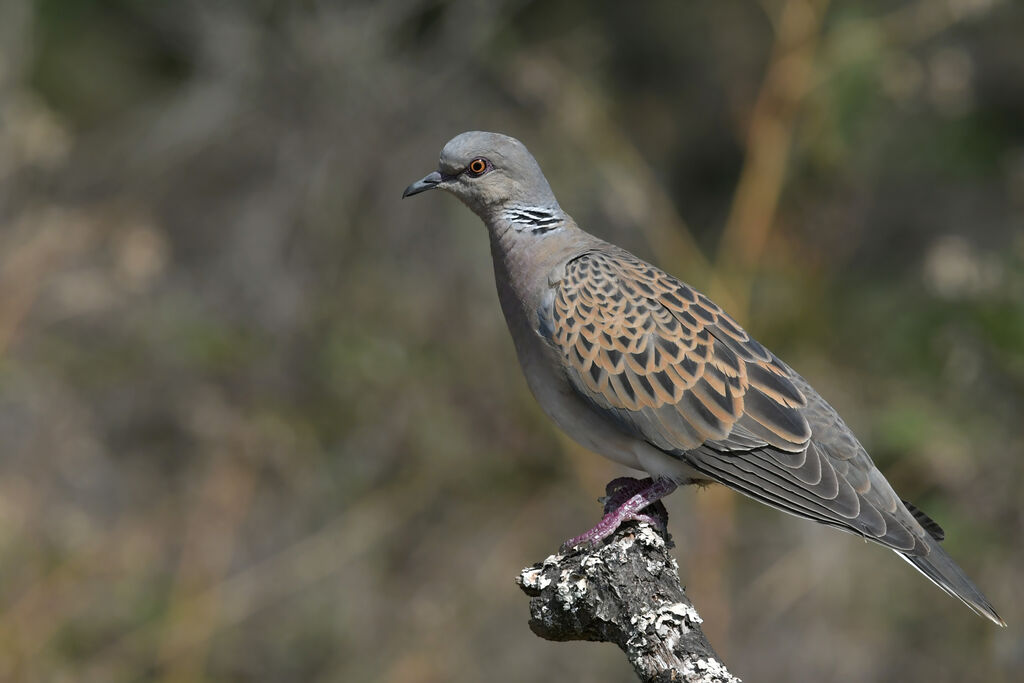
477, 167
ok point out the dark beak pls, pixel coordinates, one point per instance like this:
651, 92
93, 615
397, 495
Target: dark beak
427, 183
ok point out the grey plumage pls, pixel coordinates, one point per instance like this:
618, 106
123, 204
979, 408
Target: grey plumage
647, 371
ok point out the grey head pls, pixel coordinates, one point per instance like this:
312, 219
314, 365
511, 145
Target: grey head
489, 172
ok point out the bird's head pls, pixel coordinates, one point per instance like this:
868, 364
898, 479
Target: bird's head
488, 171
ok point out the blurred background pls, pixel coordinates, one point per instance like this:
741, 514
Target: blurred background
260, 420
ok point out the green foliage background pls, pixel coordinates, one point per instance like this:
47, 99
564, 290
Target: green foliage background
261, 421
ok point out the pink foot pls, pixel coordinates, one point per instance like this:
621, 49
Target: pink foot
626, 498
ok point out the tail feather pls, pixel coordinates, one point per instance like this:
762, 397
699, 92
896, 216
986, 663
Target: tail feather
940, 568
929, 524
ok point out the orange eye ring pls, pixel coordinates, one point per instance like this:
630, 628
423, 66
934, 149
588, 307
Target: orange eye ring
477, 166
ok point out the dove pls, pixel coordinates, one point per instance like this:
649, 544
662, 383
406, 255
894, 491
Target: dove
644, 369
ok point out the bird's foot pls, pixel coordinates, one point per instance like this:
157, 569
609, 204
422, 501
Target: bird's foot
626, 498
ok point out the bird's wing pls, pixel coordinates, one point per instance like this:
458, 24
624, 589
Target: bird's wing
669, 366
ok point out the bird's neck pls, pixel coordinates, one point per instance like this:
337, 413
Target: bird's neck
527, 244
524, 235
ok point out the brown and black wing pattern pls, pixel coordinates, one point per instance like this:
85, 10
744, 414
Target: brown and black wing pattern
671, 367
635, 339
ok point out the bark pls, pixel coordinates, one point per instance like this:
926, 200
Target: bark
626, 592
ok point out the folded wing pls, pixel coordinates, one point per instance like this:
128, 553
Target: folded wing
668, 365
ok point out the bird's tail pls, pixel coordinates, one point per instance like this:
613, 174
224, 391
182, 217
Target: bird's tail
940, 568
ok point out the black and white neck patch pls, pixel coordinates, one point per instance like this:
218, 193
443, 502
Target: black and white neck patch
536, 219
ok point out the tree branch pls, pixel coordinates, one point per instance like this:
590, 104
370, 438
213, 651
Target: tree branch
625, 592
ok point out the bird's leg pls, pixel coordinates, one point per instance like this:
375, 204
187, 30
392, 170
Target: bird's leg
620, 508
619, 490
